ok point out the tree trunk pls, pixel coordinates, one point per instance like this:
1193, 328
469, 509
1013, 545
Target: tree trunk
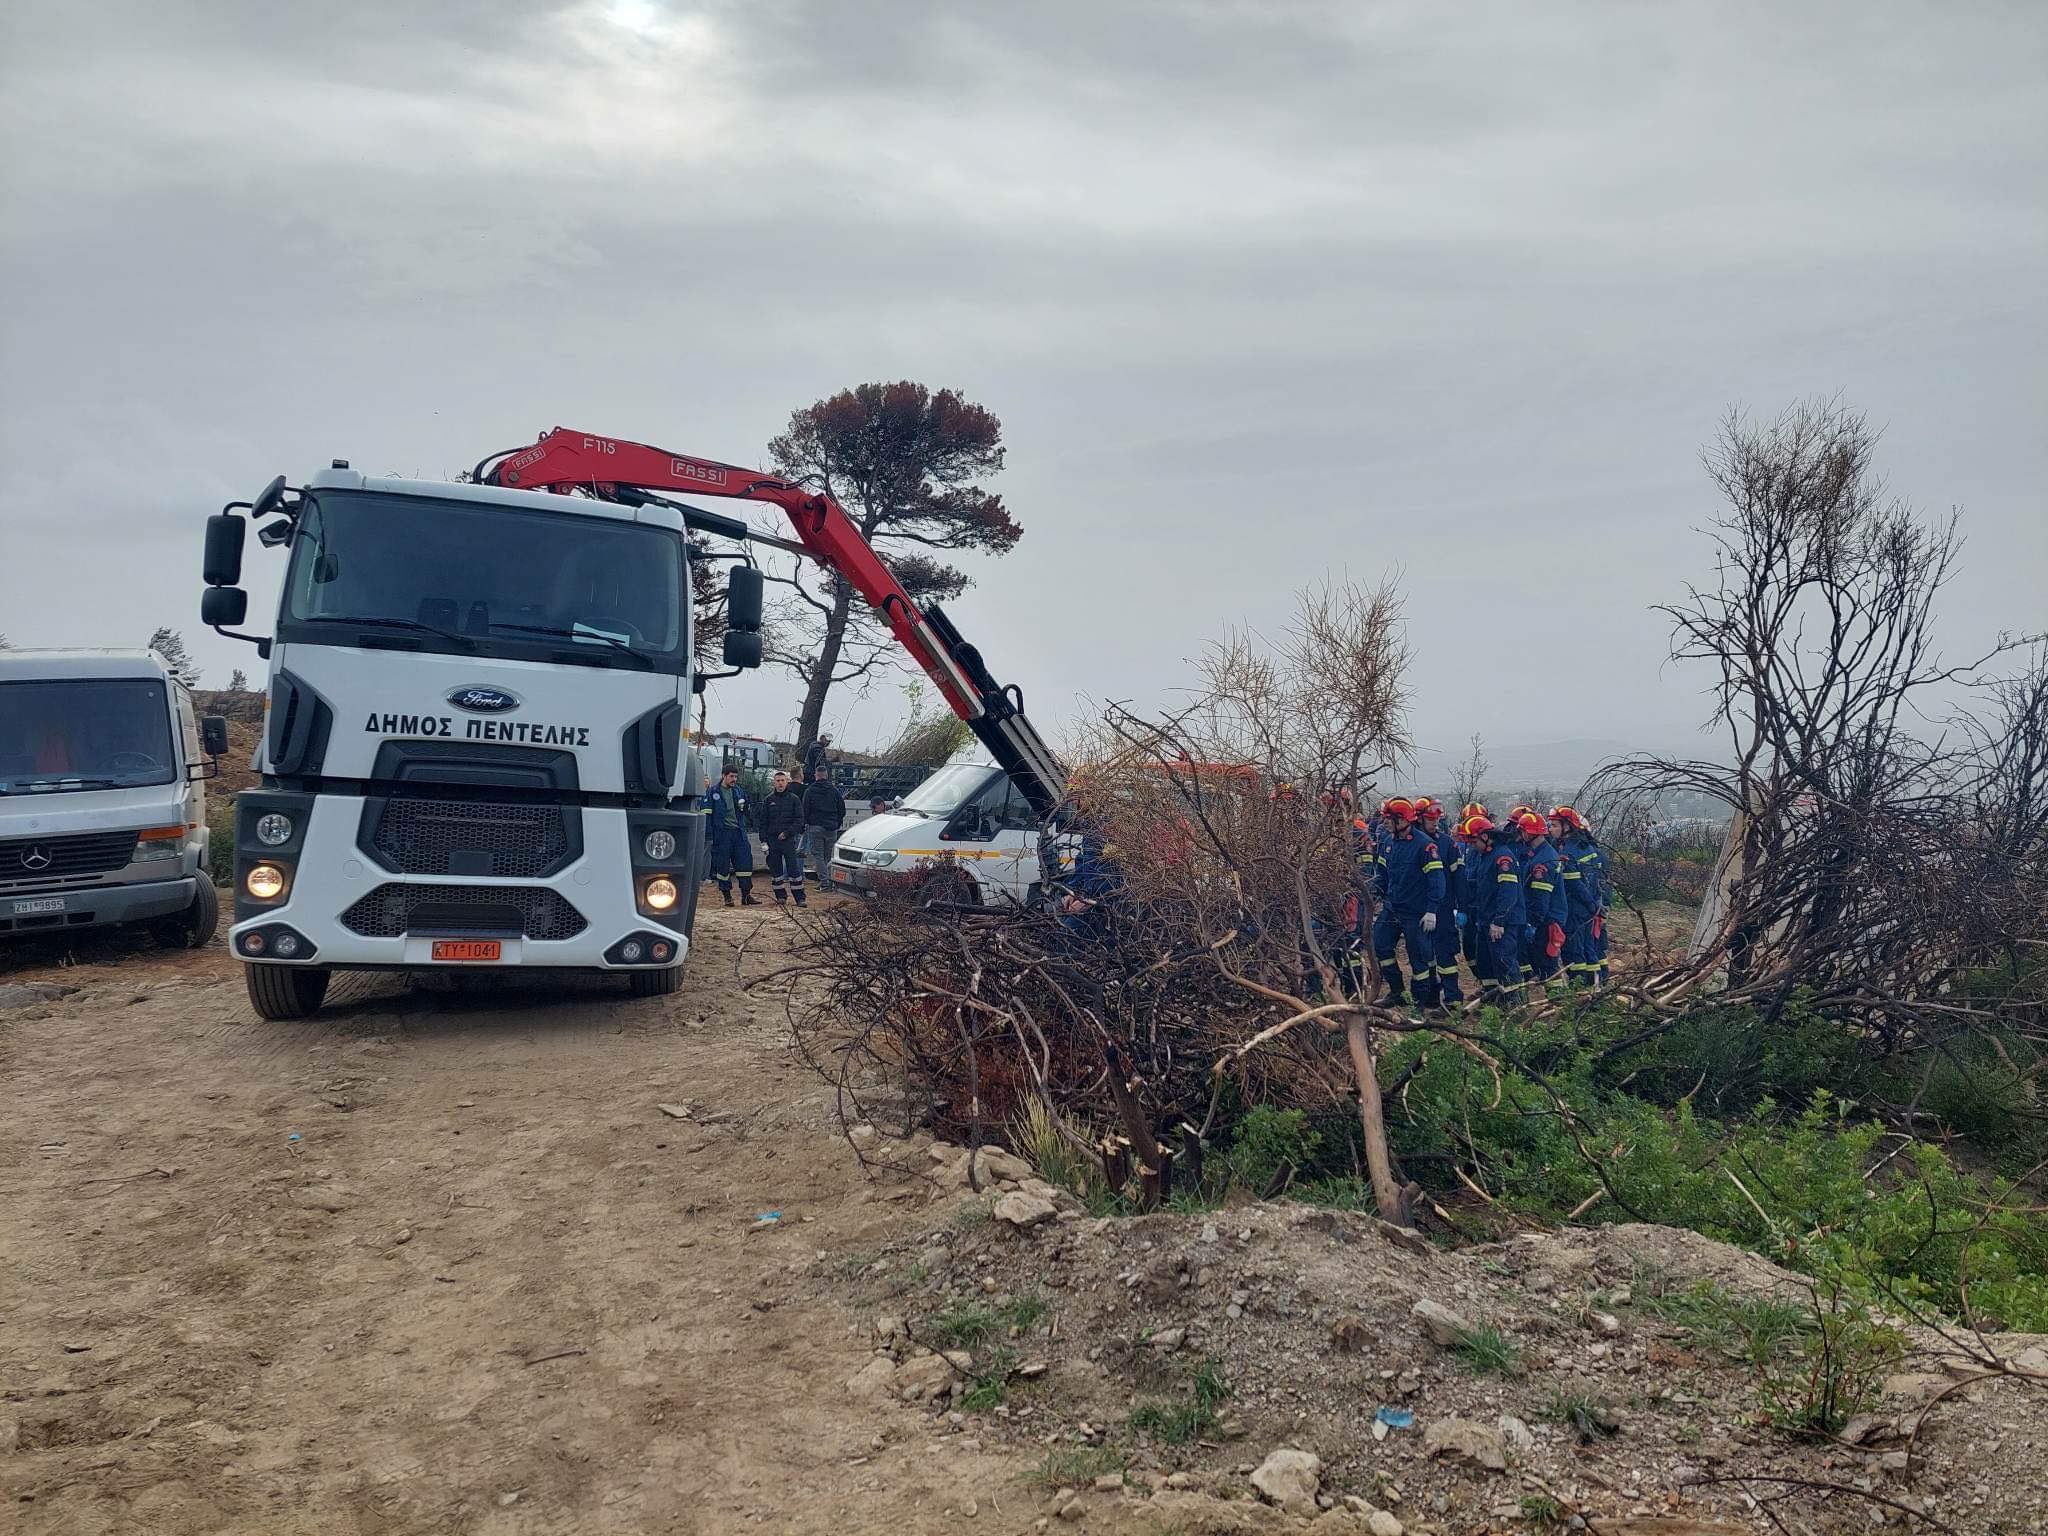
820, 684
1386, 1194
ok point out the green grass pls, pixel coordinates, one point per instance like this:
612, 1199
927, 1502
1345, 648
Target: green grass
1581, 1412
1025, 1311
991, 1381
1076, 1466
975, 1213
962, 1325
1542, 1509
1488, 1351
1184, 1422
1759, 1330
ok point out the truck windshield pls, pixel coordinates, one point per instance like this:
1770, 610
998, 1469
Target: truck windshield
482, 579
84, 733
947, 790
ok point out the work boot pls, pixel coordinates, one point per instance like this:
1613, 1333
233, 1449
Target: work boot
799, 895
726, 892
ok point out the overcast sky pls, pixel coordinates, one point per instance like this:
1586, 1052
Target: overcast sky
1260, 290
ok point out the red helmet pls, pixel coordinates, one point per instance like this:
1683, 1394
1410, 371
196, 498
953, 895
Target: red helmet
1424, 806
1520, 811
1473, 826
1472, 808
1529, 823
1398, 809
1569, 817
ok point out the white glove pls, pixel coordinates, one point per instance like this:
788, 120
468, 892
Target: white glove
1429, 922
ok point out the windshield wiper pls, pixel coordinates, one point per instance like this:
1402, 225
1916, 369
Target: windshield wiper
574, 634
61, 783
381, 622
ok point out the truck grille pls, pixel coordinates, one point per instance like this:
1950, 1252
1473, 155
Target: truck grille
510, 911
87, 853
467, 837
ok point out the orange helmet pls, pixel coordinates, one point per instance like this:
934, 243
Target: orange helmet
1398, 809
1521, 810
1424, 806
1529, 823
1471, 808
1473, 826
1568, 816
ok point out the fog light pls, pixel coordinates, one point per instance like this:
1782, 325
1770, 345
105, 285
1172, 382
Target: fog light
252, 943
274, 829
660, 845
630, 951
265, 882
661, 951
287, 945
661, 893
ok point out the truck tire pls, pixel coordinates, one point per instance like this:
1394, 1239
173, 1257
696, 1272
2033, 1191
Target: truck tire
285, 991
193, 927
655, 983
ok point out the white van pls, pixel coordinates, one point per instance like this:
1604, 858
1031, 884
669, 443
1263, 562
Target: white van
103, 797
967, 815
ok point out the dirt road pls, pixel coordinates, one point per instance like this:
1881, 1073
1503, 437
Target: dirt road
438, 1262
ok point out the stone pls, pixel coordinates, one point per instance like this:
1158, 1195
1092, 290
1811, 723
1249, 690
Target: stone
1348, 1335
1024, 1211
1168, 1338
1468, 1440
1444, 1327
1209, 1232
1382, 1523
872, 1382
322, 1197
1290, 1478
1605, 1324
890, 1328
925, 1377
1110, 1482
1517, 1435
1031, 1370
21, 994
1405, 1238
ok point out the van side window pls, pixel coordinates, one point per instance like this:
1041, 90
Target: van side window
1013, 812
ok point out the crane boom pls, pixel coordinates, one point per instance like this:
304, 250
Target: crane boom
566, 460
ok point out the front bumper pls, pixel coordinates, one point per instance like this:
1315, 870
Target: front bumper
330, 875
93, 906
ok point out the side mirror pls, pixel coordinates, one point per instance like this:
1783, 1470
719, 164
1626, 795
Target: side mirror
744, 592
271, 499
223, 605
742, 648
213, 734
223, 564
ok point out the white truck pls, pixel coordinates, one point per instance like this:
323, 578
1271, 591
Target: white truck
473, 754
103, 769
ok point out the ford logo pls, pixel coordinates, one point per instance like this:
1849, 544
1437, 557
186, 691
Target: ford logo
484, 701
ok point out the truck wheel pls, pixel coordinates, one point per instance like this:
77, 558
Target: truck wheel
655, 983
193, 927
285, 991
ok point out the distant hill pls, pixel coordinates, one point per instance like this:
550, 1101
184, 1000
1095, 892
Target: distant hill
1557, 767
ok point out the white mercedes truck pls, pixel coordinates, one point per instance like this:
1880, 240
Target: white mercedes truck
103, 770
473, 755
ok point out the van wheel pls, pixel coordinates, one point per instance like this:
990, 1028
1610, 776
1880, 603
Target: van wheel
655, 983
193, 927
285, 991
949, 885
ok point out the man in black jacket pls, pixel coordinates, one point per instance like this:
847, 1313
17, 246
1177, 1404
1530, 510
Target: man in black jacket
824, 815
782, 829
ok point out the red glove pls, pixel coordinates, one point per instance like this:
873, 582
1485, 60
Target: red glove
1599, 923
1554, 942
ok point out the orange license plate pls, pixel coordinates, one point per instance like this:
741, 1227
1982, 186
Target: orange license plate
467, 949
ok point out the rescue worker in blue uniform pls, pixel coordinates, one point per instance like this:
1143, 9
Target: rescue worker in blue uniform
1429, 820
731, 850
1498, 911
1584, 869
1543, 897
1468, 887
1409, 885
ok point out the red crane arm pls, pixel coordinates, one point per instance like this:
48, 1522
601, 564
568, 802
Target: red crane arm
565, 460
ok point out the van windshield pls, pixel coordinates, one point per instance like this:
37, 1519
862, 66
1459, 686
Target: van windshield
947, 790
84, 733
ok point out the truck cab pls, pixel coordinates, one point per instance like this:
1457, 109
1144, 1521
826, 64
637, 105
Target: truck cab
967, 819
103, 769
474, 753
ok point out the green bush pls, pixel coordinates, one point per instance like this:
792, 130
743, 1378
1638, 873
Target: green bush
1267, 1142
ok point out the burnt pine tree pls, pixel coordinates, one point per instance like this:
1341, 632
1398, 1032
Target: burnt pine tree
904, 461
238, 681
170, 645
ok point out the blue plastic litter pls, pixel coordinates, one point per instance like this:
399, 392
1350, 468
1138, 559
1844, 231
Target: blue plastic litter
1396, 1418
767, 1218
293, 1137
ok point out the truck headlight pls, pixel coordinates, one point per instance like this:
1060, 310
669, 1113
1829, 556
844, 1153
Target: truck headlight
880, 858
159, 842
660, 893
273, 830
265, 882
660, 845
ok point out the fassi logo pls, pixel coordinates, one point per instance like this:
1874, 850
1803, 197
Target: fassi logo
479, 700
